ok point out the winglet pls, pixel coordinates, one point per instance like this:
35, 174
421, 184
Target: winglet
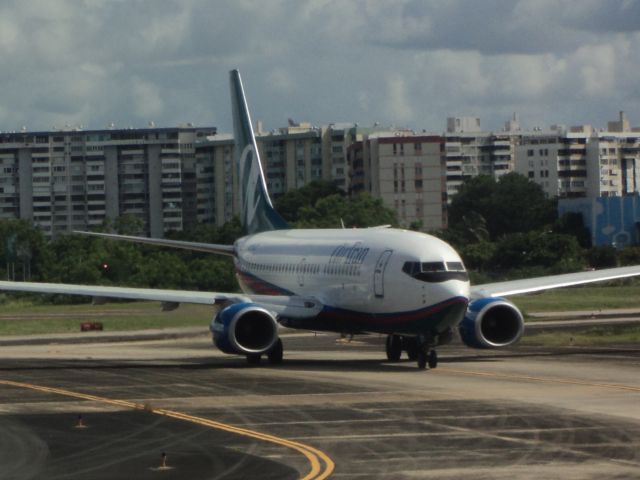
257, 212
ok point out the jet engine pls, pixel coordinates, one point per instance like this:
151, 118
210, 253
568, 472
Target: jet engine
491, 322
244, 328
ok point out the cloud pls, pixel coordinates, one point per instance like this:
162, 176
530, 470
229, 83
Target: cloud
147, 100
397, 103
280, 79
603, 17
410, 62
9, 35
597, 68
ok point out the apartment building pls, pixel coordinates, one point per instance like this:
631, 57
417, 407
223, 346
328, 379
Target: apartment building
582, 161
292, 157
405, 170
217, 180
470, 152
172, 178
74, 180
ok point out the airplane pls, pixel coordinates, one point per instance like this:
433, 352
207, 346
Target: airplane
410, 286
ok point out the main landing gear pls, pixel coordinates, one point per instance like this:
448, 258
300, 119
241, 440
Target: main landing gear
427, 357
274, 355
417, 349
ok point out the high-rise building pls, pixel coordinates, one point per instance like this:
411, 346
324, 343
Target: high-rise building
74, 180
173, 178
582, 161
407, 171
481, 153
292, 157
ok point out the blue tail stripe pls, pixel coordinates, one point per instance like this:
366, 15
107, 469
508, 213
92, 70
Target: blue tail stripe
258, 214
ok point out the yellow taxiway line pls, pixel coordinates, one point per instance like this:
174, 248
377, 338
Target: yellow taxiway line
321, 464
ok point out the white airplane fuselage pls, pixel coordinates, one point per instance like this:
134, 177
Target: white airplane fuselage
361, 276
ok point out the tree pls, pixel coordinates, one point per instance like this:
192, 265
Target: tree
360, 211
208, 233
629, 256
24, 251
479, 256
555, 252
128, 224
572, 223
78, 259
604, 256
513, 204
212, 273
161, 270
290, 204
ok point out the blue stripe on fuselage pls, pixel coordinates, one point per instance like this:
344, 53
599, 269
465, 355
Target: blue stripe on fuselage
260, 286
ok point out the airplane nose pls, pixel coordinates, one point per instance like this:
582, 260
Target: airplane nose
459, 289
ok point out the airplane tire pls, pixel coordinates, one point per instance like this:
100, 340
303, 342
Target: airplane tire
394, 347
422, 359
254, 359
433, 359
276, 353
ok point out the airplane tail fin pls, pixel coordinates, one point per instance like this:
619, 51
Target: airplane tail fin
257, 212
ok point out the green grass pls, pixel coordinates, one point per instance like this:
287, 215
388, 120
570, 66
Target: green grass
147, 315
597, 336
23, 318
626, 295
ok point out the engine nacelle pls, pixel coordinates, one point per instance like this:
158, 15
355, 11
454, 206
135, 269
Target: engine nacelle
491, 323
244, 328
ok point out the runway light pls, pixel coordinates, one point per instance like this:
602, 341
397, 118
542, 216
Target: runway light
80, 423
163, 462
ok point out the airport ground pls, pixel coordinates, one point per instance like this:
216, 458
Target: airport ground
334, 408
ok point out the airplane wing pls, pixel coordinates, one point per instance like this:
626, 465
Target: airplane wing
195, 246
288, 306
537, 284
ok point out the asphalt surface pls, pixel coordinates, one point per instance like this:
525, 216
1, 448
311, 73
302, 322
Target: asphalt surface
518, 413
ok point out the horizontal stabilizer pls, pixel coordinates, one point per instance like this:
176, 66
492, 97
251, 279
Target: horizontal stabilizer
193, 246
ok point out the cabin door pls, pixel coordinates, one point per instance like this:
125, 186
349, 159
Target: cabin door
378, 273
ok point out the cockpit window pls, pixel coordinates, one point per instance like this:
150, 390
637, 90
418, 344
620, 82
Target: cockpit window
411, 268
433, 267
455, 266
435, 272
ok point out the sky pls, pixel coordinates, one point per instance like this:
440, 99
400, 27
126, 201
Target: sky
403, 63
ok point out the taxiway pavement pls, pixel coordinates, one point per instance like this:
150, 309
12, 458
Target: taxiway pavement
334, 408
